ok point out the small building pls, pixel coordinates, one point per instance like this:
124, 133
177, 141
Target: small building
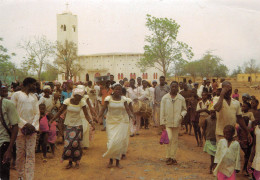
248, 77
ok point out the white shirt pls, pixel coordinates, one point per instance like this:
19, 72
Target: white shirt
97, 89
151, 89
48, 103
227, 158
27, 108
172, 110
201, 105
145, 94
134, 93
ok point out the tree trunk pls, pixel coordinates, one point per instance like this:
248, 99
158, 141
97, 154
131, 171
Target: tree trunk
39, 75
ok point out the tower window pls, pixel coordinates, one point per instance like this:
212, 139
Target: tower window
64, 27
61, 27
74, 28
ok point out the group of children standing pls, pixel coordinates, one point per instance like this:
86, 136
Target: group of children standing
225, 154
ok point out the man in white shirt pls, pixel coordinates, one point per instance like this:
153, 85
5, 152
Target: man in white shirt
98, 98
28, 110
173, 109
134, 93
228, 112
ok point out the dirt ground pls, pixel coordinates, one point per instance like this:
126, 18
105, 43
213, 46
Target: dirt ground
145, 159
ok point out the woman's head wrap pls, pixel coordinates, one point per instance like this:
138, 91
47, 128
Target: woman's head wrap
116, 84
78, 91
46, 87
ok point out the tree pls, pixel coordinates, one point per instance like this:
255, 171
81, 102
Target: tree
236, 71
163, 49
208, 66
6, 66
220, 71
38, 51
251, 68
192, 68
67, 59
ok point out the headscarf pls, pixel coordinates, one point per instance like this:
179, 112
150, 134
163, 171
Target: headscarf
78, 91
81, 87
116, 84
46, 87
246, 95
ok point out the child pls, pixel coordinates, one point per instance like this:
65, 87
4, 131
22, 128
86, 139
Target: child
242, 135
235, 95
209, 129
202, 109
227, 156
194, 116
254, 160
44, 129
52, 136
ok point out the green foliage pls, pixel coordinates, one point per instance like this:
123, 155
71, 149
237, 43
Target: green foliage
7, 68
50, 74
163, 49
66, 59
208, 66
236, 71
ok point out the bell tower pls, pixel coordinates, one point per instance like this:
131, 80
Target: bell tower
67, 26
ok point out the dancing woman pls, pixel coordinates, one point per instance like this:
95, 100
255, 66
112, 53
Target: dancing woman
117, 129
73, 126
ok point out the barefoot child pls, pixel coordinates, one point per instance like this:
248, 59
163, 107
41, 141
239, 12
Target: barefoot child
194, 116
44, 129
227, 156
52, 136
242, 135
209, 129
202, 109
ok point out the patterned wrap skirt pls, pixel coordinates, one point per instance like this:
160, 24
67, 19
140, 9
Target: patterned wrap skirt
72, 148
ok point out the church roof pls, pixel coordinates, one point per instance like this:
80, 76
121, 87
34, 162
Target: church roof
113, 54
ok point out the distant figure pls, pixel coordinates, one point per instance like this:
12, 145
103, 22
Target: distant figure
235, 95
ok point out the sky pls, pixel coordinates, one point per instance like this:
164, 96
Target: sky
229, 28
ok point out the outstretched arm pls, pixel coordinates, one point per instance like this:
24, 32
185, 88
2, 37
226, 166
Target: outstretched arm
130, 114
63, 108
87, 116
101, 113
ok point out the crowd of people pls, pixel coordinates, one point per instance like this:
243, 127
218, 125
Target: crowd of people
36, 117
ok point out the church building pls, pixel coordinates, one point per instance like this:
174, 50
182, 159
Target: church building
121, 65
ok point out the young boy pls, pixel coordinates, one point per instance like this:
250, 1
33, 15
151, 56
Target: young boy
202, 109
209, 129
235, 95
242, 135
227, 155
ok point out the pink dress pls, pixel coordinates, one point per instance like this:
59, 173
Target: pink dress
52, 133
44, 127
